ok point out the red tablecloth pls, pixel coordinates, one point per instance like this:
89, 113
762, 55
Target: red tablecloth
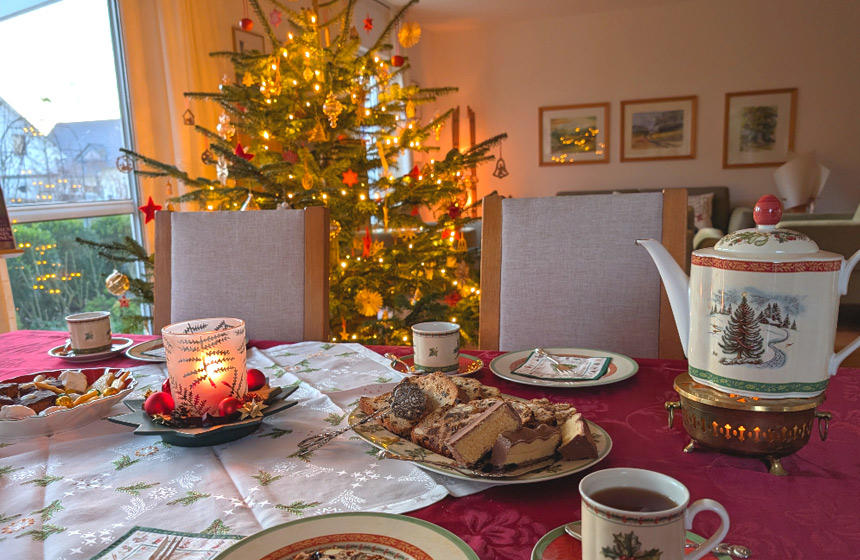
810, 514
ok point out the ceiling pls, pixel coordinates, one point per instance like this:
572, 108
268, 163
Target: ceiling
442, 14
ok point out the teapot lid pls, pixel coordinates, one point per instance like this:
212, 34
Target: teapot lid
765, 238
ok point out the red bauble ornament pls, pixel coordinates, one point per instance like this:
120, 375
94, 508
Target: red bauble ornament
397, 60
165, 387
158, 403
256, 379
229, 405
454, 211
452, 298
246, 24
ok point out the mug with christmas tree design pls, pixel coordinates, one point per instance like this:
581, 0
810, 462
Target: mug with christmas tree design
643, 515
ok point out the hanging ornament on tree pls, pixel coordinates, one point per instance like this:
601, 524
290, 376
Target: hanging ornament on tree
385, 217
246, 24
188, 117
247, 79
318, 134
208, 157
380, 147
368, 23
225, 129
290, 156
250, 203
221, 170
501, 170
275, 17
366, 243
123, 301
308, 74
307, 181
410, 109
149, 210
117, 283
437, 130
332, 108
368, 302
409, 34
240, 151
334, 230
415, 173
397, 60
124, 163
350, 178
344, 334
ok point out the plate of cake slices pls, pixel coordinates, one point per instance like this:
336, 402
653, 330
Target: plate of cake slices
352, 536
514, 366
49, 402
461, 428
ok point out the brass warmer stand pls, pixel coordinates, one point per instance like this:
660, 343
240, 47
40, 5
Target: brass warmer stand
739, 425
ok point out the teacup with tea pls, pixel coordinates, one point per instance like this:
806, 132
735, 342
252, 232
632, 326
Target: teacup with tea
437, 346
89, 332
637, 513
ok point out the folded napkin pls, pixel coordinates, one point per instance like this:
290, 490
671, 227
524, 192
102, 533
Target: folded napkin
540, 366
139, 543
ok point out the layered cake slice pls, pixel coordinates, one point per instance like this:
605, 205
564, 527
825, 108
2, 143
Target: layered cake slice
525, 446
576, 439
479, 435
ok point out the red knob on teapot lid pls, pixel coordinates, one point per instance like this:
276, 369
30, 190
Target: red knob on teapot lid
767, 211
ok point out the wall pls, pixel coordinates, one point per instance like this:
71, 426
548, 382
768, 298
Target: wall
507, 69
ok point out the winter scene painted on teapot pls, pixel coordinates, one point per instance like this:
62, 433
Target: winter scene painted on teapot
752, 328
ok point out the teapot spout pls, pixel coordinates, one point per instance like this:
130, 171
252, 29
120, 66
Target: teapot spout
677, 285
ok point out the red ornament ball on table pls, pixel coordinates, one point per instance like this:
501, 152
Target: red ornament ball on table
246, 24
158, 403
165, 387
256, 379
228, 406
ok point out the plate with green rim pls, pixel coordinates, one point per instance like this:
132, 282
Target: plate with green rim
393, 537
376, 435
621, 367
558, 545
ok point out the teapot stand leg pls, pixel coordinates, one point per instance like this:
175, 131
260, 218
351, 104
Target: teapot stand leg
775, 466
690, 447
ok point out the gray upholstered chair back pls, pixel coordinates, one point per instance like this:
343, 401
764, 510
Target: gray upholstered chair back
249, 265
571, 274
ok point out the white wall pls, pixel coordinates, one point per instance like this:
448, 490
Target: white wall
506, 70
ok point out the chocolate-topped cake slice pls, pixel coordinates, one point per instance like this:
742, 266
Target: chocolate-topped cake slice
38, 400
525, 446
576, 439
479, 435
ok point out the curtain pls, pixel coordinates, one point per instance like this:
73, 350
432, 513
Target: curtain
167, 45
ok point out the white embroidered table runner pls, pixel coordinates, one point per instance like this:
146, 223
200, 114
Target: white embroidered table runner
70, 495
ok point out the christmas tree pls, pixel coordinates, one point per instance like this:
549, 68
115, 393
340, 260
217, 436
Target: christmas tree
319, 122
742, 336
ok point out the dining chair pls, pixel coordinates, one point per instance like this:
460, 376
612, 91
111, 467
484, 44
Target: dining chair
7, 303
267, 267
566, 272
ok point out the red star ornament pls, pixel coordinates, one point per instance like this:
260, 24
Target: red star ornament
275, 17
149, 210
240, 151
123, 301
368, 23
350, 178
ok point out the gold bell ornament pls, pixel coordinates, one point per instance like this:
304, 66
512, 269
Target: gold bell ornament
117, 283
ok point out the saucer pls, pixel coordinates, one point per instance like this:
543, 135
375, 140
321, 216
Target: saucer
149, 351
558, 545
118, 345
468, 365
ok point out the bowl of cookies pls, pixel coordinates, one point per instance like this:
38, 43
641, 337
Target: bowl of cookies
48, 402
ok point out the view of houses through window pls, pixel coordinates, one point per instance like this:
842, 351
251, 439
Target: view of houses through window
61, 126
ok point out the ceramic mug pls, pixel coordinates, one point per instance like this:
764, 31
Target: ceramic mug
89, 332
437, 346
610, 532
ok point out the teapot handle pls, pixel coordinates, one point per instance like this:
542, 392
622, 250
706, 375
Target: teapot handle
844, 276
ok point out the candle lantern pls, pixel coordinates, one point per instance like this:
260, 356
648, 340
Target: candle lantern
205, 363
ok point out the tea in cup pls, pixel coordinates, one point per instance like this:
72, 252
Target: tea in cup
437, 346
89, 333
639, 513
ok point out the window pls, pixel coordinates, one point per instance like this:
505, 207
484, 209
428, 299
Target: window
63, 118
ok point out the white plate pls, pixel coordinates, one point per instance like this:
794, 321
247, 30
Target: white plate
620, 368
118, 345
375, 434
149, 351
394, 537
61, 420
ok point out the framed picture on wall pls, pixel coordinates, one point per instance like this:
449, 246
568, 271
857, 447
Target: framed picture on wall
759, 127
662, 128
571, 134
245, 41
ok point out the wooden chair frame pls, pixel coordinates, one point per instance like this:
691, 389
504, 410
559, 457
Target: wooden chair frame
674, 239
316, 276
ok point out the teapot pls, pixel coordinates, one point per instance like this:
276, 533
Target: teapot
757, 316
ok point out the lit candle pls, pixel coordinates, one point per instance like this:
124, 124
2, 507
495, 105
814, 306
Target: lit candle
205, 363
